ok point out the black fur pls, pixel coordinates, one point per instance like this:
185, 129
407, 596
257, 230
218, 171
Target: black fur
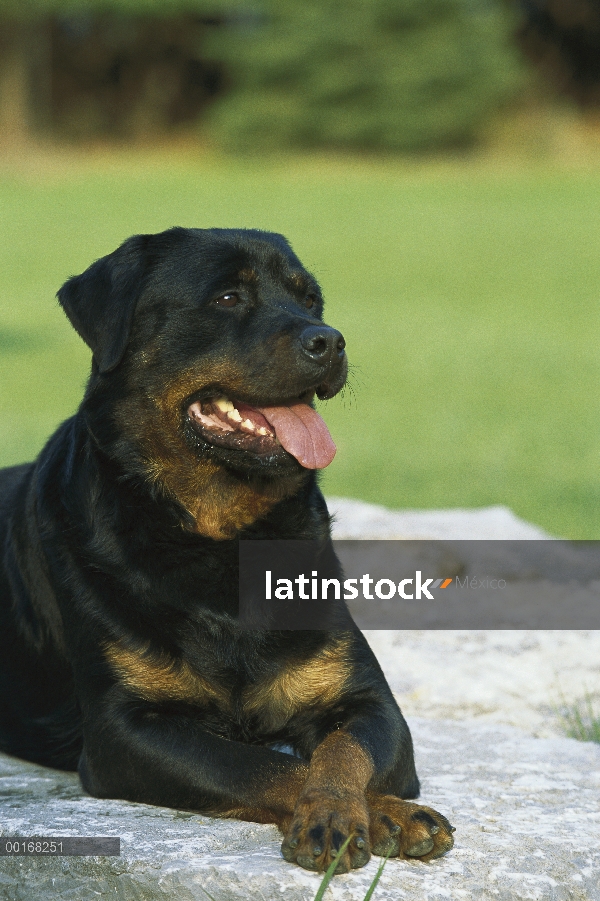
97, 549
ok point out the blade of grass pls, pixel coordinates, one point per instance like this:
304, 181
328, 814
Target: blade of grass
377, 877
207, 893
580, 719
331, 870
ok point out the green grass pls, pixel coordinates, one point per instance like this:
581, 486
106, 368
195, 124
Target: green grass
468, 295
328, 876
581, 719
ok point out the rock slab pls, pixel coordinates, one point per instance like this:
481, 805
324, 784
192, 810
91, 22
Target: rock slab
526, 810
357, 519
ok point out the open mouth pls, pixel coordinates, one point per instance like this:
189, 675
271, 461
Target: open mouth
294, 428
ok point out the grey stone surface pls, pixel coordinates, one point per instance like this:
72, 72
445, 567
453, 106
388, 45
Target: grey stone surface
357, 519
527, 813
521, 678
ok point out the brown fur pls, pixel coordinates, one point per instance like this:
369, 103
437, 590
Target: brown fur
332, 805
334, 794
421, 828
248, 275
299, 280
339, 769
332, 789
326, 772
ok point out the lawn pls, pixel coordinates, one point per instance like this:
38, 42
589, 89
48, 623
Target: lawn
468, 296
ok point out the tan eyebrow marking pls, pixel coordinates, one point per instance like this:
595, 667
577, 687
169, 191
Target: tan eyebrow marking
299, 280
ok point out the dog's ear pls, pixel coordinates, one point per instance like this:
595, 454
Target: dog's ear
101, 302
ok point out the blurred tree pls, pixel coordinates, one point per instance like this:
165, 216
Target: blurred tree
563, 38
381, 74
118, 67
24, 74
397, 75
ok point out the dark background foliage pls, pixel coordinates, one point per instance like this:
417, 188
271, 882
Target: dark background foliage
382, 75
386, 75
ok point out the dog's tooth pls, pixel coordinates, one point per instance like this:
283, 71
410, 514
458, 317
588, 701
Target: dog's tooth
224, 405
234, 414
262, 431
248, 424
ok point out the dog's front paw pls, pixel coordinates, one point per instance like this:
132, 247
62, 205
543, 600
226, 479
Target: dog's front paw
406, 830
320, 825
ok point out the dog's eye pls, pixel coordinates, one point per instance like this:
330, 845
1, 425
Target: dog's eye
227, 300
309, 301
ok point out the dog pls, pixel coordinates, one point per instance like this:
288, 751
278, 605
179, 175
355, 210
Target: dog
120, 652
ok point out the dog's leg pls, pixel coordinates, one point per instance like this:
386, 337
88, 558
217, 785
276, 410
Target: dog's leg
344, 791
174, 762
335, 803
331, 807
407, 830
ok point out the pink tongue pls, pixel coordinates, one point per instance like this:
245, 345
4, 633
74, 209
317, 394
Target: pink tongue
302, 433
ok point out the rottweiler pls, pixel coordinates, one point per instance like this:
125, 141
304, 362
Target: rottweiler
121, 655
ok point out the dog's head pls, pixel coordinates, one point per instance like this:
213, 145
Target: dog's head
209, 346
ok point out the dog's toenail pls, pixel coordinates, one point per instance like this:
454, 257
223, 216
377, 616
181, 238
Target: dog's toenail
421, 848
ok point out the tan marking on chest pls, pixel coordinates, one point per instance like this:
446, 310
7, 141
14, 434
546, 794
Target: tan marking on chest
160, 678
317, 682
219, 505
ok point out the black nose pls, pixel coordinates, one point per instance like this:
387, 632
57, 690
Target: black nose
322, 343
